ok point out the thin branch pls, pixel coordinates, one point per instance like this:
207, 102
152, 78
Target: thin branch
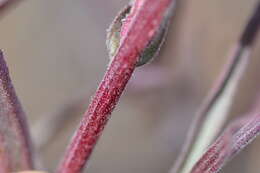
13, 125
144, 21
230, 143
219, 99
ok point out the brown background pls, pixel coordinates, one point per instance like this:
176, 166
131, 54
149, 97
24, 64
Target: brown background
56, 51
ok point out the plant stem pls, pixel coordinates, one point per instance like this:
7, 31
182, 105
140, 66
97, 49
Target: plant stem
4, 157
219, 99
146, 17
13, 126
237, 136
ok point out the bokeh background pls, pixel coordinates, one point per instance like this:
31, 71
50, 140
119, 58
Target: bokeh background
56, 53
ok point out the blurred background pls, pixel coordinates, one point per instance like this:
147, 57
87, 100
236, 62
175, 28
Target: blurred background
56, 53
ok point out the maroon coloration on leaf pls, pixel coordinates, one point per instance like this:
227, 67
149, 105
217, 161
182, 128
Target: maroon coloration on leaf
15, 140
142, 27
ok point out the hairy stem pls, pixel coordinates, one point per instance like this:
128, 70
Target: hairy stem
145, 19
215, 108
13, 125
237, 136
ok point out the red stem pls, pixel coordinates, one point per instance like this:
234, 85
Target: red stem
145, 21
232, 141
246, 40
13, 125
